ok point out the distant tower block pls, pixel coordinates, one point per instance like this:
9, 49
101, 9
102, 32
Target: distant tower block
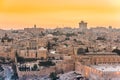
83, 25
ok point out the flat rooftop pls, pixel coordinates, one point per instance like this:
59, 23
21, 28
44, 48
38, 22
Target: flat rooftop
101, 53
107, 67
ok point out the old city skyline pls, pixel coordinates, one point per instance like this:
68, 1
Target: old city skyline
72, 54
59, 40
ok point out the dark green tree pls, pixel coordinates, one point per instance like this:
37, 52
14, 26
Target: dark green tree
48, 46
53, 76
116, 51
35, 67
55, 39
82, 51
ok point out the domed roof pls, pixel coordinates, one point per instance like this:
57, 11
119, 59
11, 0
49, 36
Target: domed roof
49, 35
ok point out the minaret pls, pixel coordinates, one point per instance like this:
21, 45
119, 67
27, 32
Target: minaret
36, 47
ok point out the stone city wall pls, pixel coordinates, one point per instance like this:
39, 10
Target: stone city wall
45, 71
62, 67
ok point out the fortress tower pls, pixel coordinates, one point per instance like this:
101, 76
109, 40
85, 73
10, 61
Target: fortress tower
83, 25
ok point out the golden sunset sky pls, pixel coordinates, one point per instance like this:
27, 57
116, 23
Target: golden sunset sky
18, 14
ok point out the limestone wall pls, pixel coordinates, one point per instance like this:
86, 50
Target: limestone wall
64, 66
45, 71
94, 74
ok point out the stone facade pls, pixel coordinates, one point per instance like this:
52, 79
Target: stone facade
64, 66
38, 54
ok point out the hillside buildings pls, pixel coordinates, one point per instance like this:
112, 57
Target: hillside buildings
37, 52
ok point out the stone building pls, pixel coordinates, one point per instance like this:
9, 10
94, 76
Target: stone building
34, 30
95, 66
33, 53
6, 53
